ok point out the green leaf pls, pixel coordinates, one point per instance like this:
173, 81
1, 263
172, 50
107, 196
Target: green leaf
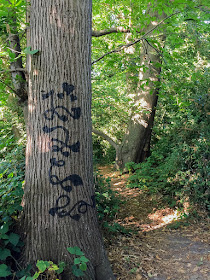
42, 265
61, 267
75, 251
4, 236
4, 253
53, 267
12, 55
4, 229
14, 238
4, 270
84, 259
29, 51
83, 267
34, 51
76, 271
77, 261
71, 250
36, 275
19, 3
27, 278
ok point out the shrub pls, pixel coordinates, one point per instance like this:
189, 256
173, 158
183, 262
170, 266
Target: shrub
108, 203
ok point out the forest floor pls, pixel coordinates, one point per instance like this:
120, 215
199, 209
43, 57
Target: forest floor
163, 246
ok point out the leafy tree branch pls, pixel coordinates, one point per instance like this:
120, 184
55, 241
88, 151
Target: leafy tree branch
122, 47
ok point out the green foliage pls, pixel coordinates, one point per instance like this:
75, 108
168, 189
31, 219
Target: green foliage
108, 203
179, 165
10, 10
11, 177
46, 270
10, 245
4, 270
29, 51
12, 169
103, 152
80, 261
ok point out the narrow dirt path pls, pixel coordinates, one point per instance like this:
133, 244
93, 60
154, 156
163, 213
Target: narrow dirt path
158, 250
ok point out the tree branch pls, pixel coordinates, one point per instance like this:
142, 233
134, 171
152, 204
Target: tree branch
118, 29
119, 49
160, 54
106, 137
8, 86
14, 51
13, 70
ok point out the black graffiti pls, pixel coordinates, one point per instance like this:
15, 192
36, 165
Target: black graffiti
75, 179
62, 145
50, 113
68, 89
79, 208
60, 111
58, 145
47, 95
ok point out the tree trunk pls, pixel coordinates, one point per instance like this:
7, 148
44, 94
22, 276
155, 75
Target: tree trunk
59, 210
18, 76
135, 146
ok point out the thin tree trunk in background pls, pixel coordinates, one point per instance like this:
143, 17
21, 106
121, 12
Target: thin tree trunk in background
18, 77
59, 209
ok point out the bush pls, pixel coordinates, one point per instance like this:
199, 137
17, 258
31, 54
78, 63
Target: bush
11, 192
103, 152
108, 203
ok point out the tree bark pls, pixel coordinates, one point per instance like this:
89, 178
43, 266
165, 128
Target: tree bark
59, 210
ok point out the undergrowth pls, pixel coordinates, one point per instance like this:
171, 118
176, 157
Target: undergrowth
108, 203
178, 168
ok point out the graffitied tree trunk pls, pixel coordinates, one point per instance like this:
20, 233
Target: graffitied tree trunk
59, 210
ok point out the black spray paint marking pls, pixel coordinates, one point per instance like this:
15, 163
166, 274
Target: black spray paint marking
64, 112
60, 145
49, 114
81, 207
75, 212
68, 89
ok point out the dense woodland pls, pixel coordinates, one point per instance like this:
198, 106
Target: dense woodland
150, 117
